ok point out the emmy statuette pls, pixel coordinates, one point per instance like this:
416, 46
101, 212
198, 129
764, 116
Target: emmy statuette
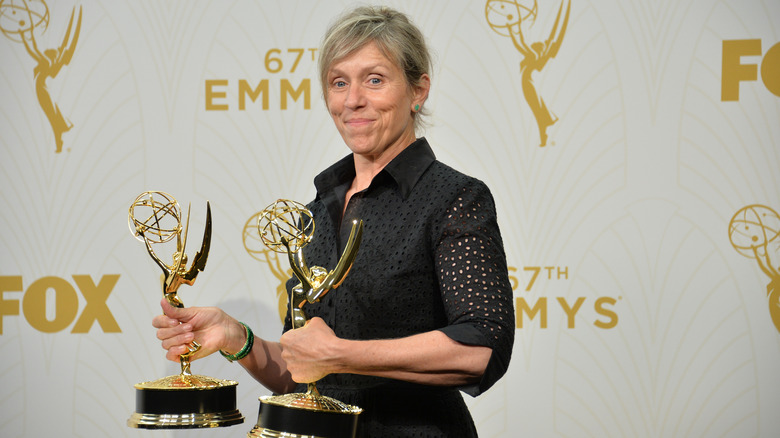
286, 227
185, 400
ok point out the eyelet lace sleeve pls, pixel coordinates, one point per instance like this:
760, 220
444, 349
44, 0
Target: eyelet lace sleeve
474, 281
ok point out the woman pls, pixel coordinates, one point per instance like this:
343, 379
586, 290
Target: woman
426, 309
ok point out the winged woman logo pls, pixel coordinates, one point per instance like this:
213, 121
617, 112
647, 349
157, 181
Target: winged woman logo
754, 232
508, 18
20, 21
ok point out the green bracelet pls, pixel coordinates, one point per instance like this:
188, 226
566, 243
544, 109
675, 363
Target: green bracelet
250, 339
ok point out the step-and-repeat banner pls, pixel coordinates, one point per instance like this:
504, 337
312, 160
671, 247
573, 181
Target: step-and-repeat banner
633, 148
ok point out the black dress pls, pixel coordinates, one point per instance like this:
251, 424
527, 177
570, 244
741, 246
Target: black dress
431, 258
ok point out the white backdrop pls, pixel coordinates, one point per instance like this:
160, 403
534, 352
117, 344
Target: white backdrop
636, 315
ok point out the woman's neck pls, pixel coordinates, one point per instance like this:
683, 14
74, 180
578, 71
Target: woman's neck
369, 166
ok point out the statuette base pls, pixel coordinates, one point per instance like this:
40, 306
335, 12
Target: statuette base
304, 416
185, 402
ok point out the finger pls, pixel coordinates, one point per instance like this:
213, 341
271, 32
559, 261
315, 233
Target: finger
174, 353
163, 321
287, 341
177, 341
316, 322
167, 308
287, 356
182, 314
172, 332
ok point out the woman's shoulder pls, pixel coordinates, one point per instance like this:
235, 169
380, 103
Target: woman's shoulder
444, 176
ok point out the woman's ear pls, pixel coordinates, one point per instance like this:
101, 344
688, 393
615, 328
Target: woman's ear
420, 92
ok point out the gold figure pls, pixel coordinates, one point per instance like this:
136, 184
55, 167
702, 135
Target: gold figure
754, 232
254, 246
317, 281
49, 61
158, 220
288, 226
506, 18
182, 401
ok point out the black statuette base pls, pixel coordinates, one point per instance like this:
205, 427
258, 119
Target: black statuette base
185, 408
277, 421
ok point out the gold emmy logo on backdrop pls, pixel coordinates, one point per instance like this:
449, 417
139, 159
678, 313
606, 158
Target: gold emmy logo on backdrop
257, 249
754, 232
507, 18
286, 227
181, 401
19, 21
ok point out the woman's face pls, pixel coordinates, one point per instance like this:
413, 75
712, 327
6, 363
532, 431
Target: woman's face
371, 103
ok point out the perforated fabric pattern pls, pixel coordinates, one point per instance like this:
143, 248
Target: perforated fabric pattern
431, 259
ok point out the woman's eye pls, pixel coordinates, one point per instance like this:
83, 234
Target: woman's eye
375, 81
339, 84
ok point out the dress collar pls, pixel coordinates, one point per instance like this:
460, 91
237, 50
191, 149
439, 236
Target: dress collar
405, 169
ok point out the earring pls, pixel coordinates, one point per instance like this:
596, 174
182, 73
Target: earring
416, 108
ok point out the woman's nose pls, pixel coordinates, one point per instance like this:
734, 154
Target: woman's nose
356, 97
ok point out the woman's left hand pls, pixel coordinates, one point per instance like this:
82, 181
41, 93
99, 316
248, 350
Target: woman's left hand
310, 351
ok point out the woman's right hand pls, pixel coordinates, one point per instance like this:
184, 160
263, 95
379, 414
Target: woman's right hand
211, 327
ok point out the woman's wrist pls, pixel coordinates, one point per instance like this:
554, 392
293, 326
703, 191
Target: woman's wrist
238, 346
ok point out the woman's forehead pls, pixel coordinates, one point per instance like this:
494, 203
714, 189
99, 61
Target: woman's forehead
367, 56
370, 46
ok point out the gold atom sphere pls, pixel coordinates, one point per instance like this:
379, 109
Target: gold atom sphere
155, 216
285, 221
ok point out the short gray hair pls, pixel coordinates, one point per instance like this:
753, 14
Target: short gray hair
393, 33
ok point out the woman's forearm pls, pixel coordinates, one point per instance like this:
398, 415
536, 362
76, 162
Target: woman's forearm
264, 361
266, 365
431, 358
